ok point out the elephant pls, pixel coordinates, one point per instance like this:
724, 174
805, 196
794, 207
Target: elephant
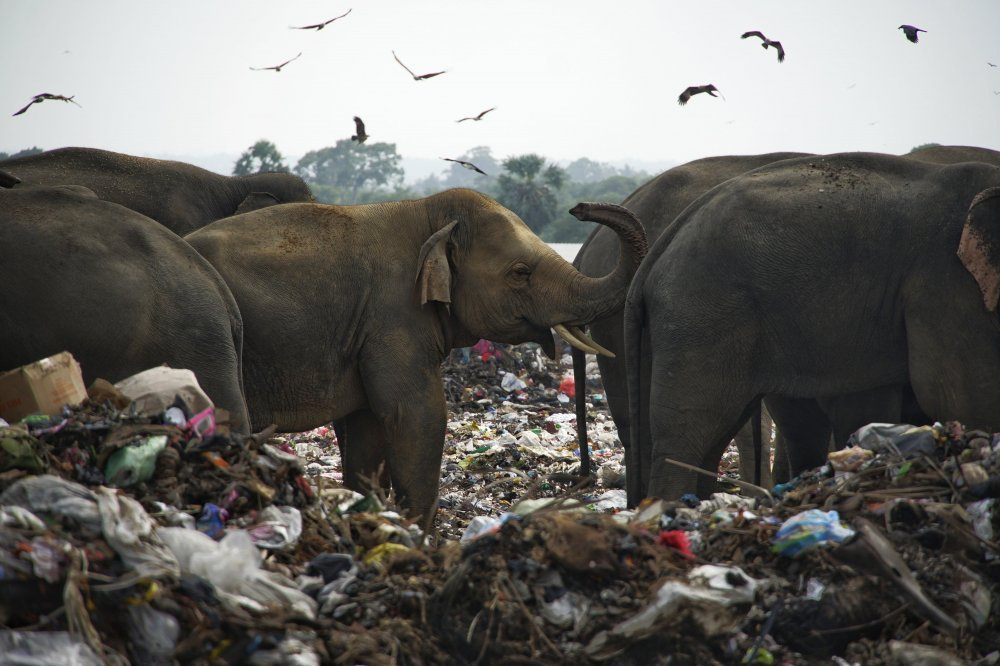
955, 154
180, 196
117, 290
349, 312
813, 278
810, 428
656, 203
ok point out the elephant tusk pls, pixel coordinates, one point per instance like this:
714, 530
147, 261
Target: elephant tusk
578, 332
575, 341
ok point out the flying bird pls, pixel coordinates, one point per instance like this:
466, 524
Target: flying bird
694, 90
765, 42
990, 64
416, 77
359, 128
320, 26
911, 32
41, 97
467, 165
478, 117
277, 68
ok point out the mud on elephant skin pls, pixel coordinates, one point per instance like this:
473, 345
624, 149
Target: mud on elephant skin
350, 310
117, 290
843, 274
180, 196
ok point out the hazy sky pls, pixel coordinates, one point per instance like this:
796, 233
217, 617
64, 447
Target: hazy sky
568, 78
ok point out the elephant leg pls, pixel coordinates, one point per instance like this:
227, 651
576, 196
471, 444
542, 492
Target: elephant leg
847, 413
804, 430
365, 457
781, 470
409, 405
692, 423
744, 445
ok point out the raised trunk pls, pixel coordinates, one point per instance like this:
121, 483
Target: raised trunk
595, 298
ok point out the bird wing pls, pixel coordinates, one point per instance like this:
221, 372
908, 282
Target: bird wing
479, 117
686, 95
26, 106
359, 126
427, 76
314, 26
289, 60
753, 33
781, 51
402, 65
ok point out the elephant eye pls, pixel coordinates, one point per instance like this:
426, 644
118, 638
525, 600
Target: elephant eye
519, 274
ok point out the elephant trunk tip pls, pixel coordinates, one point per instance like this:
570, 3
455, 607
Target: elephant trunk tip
585, 210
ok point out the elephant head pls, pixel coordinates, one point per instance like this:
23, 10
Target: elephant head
501, 282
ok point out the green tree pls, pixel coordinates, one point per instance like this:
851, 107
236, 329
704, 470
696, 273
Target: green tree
529, 187
567, 229
586, 170
21, 153
349, 172
924, 145
261, 156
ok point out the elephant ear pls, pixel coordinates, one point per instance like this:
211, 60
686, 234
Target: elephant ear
256, 200
979, 248
433, 271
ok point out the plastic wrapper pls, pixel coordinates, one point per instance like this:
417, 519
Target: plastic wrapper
53, 495
810, 529
45, 648
277, 527
132, 533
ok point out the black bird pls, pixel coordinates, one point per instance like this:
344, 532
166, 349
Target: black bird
41, 97
320, 26
416, 77
276, 68
990, 64
467, 165
359, 127
694, 90
911, 32
478, 117
765, 42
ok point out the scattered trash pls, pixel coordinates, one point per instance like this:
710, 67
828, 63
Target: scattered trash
155, 535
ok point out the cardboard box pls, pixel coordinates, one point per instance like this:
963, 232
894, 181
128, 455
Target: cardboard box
41, 387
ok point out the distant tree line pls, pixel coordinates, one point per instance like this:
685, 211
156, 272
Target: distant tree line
539, 191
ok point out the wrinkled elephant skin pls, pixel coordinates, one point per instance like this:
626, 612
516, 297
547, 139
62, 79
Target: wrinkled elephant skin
350, 310
117, 290
180, 196
814, 277
656, 203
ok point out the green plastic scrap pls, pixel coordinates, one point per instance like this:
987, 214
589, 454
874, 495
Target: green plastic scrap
134, 463
18, 450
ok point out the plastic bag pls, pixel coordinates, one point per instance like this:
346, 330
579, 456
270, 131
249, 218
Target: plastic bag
808, 530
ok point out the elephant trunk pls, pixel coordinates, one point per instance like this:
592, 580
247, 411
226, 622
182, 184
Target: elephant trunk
596, 298
589, 298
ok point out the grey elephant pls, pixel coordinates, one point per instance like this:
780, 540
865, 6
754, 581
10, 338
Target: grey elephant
117, 290
180, 196
350, 310
656, 203
809, 428
955, 154
814, 277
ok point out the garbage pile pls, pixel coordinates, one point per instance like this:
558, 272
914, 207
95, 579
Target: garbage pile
157, 538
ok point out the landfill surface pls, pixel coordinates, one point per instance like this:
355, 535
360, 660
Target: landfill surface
136, 539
